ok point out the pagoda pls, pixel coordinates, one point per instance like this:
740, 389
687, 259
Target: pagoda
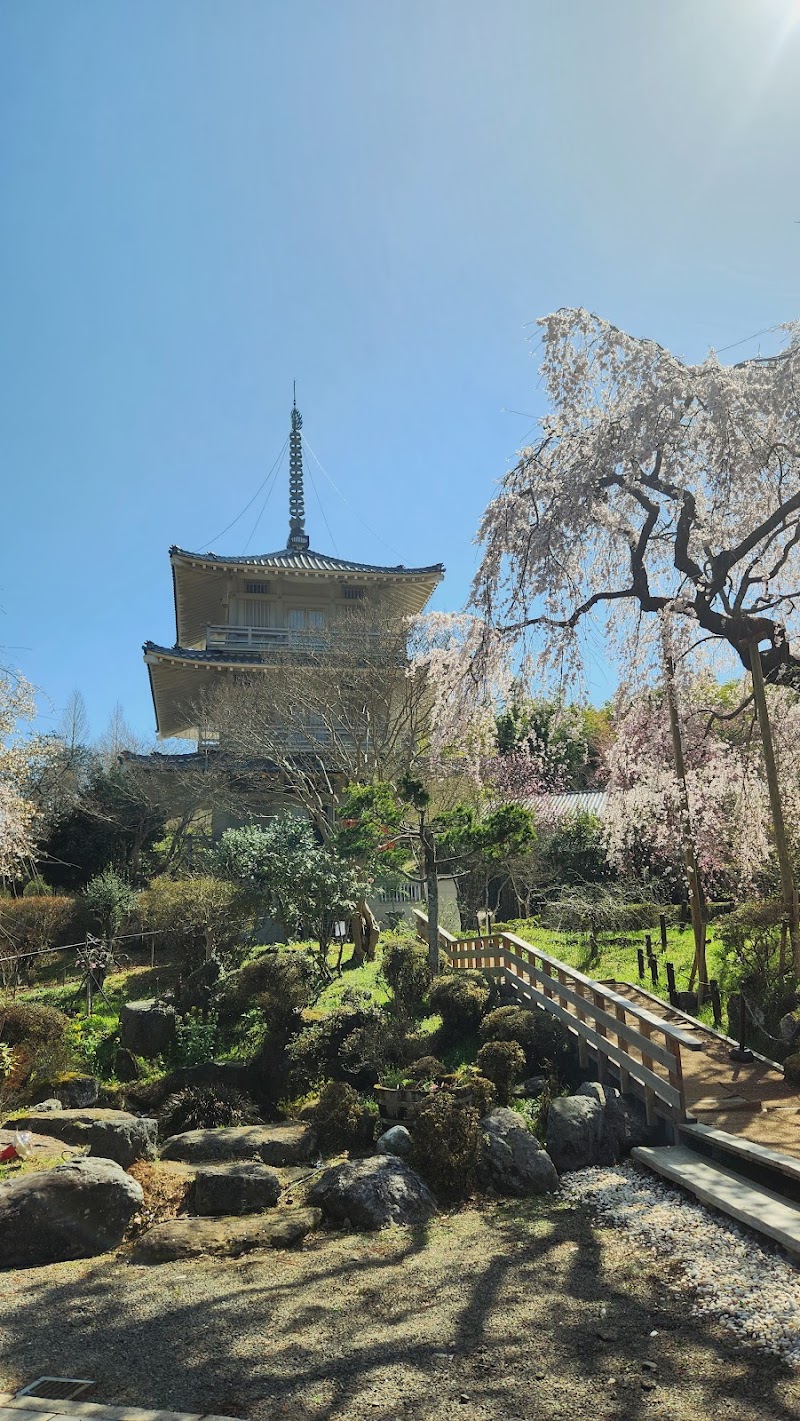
247, 614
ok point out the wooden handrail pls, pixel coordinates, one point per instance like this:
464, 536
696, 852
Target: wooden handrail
591, 1010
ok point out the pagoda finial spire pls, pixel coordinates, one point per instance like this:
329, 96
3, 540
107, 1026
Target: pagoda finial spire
298, 538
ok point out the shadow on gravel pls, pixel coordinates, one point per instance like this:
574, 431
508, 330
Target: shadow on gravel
504, 1312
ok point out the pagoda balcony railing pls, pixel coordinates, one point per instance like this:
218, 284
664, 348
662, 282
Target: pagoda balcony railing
302, 639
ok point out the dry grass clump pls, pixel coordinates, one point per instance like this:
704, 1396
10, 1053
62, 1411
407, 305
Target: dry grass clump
164, 1191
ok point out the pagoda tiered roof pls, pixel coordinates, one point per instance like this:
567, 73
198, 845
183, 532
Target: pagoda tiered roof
288, 559
214, 594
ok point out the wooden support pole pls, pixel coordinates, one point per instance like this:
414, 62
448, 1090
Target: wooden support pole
654, 970
716, 1005
662, 924
648, 944
640, 960
671, 988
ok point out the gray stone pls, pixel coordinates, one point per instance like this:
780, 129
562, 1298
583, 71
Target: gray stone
126, 1066
613, 1138
574, 1132
110, 1134
147, 1028
790, 1028
511, 1160
76, 1210
395, 1141
531, 1088
235, 1188
52, 1103
291, 1143
225, 1238
78, 1092
371, 1193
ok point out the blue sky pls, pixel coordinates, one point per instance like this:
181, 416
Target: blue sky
202, 200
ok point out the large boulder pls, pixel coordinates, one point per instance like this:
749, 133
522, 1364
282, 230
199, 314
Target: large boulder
110, 1134
225, 1238
235, 1188
147, 1028
76, 1210
624, 1122
292, 1143
511, 1160
370, 1193
574, 1132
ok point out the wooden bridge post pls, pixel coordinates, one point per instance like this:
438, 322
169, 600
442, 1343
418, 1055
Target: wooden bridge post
583, 1049
676, 1078
624, 1076
647, 1062
600, 1001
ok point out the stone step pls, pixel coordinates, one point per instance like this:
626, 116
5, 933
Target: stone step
721, 1188
739, 1147
16, 1408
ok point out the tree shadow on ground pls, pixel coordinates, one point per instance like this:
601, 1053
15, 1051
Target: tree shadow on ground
508, 1311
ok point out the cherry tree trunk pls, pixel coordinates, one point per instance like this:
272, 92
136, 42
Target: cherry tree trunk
776, 806
689, 853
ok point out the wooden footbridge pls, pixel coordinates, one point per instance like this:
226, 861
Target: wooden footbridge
734, 1127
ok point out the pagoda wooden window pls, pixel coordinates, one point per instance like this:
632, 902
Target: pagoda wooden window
260, 589
353, 594
251, 612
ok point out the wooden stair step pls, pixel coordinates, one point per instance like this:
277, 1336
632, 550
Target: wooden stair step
721, 1188
762, 1155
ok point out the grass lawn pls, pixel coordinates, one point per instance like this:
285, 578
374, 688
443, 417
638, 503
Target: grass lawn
617, 956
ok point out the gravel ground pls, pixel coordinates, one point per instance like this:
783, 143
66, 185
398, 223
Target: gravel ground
750, 1286
503, 1312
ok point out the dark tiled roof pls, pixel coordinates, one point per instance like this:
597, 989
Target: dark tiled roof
307, 562
222, 653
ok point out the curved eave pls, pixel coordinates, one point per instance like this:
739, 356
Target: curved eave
307, 563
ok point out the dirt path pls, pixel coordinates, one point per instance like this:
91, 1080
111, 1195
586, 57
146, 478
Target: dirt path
498, 1313
764, 1107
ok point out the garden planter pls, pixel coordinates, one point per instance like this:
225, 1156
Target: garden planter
397, 1102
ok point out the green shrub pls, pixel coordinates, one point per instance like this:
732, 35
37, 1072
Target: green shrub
502, 1062
195, 1039
38, 924
109, 899
426, 1068
404, 964
460, 998
205, 1108
446, 1138
40, 1036
279, 984
197, 916
93, 1044
540, 1035
342, 1120
346, 1044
